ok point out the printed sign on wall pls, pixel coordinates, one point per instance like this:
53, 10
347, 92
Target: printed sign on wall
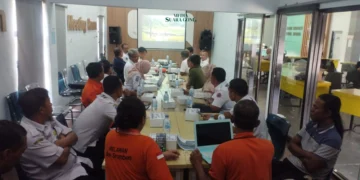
2, 21
80, 25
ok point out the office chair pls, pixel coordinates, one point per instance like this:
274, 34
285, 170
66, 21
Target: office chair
82, 71
76, 73
14, 108
74, 82
278, 129
64, 90
335, 79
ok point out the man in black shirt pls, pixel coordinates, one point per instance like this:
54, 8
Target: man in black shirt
119, 64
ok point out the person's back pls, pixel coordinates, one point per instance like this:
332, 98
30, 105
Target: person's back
246, 157
196, 75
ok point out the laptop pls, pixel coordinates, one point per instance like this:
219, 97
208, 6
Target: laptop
209, 134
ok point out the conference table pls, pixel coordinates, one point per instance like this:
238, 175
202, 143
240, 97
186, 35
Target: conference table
180, 127
350, 102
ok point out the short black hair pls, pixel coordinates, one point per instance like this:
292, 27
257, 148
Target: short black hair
32, 100
106, 65
111, 84
190, 49
130, 113
94, 69
246, 114
195, 59
123, 44
142, 49
185, 54
11, 135
240, 86
117, 52
219, 74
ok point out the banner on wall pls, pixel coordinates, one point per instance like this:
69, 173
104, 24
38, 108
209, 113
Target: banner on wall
80, 24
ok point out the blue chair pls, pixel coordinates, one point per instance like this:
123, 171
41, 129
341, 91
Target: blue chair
14, 108
76, 73
278, 128
65, 91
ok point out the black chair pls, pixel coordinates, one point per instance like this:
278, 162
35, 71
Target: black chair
65, 91
335, 79
278, 128
77, 82
14, 108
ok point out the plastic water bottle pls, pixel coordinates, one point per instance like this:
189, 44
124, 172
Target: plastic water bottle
177, 83
139, 91
167, 125
189, 102
170, 64
153, 62
154, 104
191, 91
166, 97
221, 116
160, 70
167, 57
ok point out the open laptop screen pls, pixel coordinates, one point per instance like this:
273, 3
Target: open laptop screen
213, 133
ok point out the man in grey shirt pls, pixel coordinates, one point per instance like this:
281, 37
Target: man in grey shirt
94, 122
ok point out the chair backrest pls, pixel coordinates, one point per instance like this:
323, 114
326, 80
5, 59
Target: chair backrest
61, 83
14, 108
32, 86
84, 64
82, 71
76, 73
335, 79
61, 118
278, 128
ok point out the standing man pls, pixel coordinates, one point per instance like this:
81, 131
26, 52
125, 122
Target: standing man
93, 86
142, 53
12, 146
107, 68
204, 58
119, 64
134, 58
125, 49
196, 75
184, 68
191, 50
94, 123
48, 154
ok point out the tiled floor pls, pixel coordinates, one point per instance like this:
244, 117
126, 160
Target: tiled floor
348, 162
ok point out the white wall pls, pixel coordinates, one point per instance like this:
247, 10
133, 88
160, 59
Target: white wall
79, 45
8, 55
245, 6
225, 30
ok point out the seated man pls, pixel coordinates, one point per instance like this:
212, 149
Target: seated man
184, 68
196, 75
48, 154
94, 122
317, 145
220, 100
245, 157
93, 86
204, 58
142, 53
12, 145
133, 59
191, 50
107, 68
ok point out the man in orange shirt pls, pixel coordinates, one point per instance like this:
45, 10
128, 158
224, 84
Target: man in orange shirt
245, 157
93, 86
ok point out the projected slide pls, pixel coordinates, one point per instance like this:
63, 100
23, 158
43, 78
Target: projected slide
159, 29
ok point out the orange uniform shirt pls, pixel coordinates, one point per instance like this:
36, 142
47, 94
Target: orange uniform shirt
245, 157
134, 156
91, 90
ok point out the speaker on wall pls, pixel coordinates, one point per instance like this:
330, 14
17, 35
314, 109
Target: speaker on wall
115, 35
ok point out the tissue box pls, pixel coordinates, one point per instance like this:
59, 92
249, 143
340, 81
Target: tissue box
150, 88
171, 142
152, 80
168, 105
192, 114
157, 119
163, 61
176, 92
202, 95
147, 97
182, 99
173, 82
173, 69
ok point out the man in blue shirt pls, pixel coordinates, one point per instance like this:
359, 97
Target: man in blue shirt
119, 64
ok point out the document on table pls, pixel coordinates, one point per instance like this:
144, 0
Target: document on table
185, 144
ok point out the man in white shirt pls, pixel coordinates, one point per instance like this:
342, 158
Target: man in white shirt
204, 58
107, 68
125, 49
134, 58
49, 153
142, 53
220, 100
94, 122
184, 68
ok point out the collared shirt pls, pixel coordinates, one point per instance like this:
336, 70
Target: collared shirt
245, 157
91, 90
131, 155
132, 83
204, 62
325, 143
128, 66
184, 66
105, 75
94, 121
196, 78
42, 152
125, 57
221, 97
119, 65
